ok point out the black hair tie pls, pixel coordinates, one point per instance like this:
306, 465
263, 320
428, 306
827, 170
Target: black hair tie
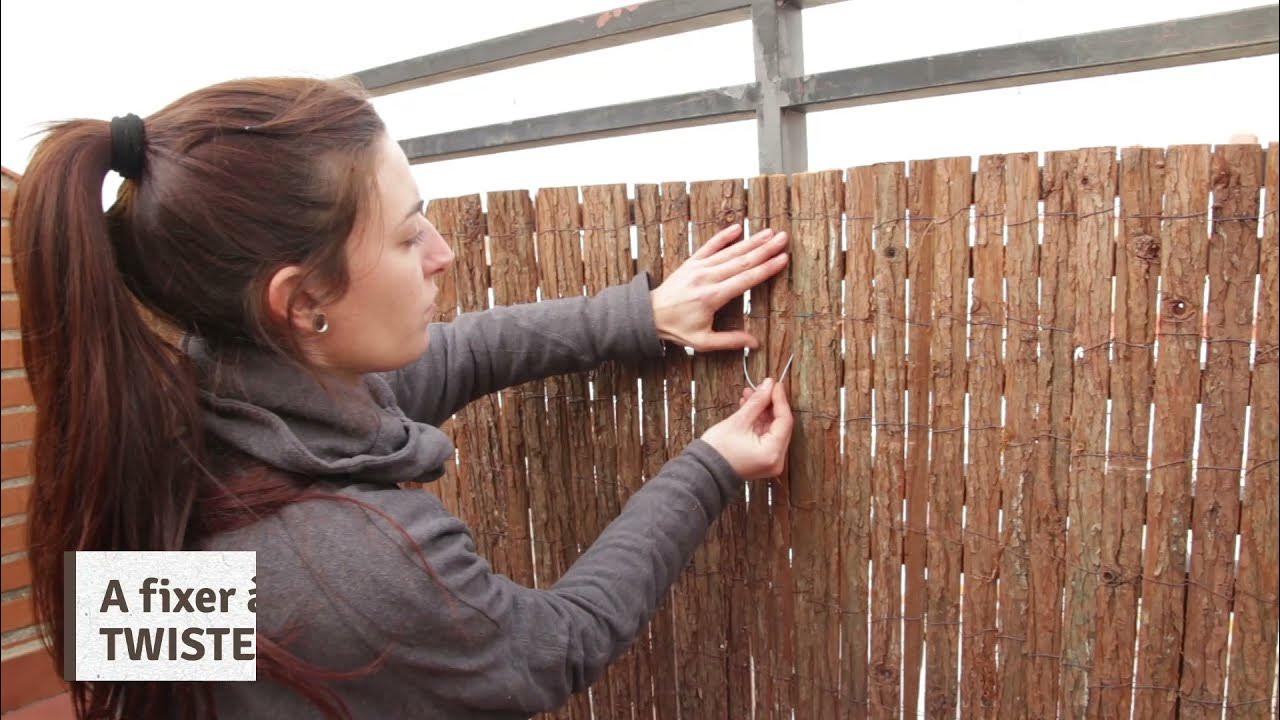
128, 139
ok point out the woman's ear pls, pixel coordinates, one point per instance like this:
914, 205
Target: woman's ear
283, 284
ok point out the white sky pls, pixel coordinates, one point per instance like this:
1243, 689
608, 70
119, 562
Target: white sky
82, 59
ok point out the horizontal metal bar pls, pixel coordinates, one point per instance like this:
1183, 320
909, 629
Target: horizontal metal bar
611, 28
726, 104
1223, 36
1241, 33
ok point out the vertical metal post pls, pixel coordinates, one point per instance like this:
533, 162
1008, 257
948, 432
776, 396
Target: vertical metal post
777, 39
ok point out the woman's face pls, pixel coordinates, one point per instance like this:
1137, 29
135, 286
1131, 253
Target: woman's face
396, 259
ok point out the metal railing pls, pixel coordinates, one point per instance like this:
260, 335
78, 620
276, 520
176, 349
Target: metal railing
782, 94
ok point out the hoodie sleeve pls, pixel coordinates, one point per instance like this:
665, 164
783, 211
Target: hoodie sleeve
482, 642
485, 351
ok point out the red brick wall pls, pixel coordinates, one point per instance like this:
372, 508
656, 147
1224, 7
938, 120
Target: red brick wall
29, 674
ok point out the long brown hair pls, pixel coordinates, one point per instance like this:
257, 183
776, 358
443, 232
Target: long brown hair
239, 179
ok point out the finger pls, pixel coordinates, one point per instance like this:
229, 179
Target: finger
765, 238
780, 397
734, 340
758, 403
744, 281
782, 418
763, 421
717, 241
743, 257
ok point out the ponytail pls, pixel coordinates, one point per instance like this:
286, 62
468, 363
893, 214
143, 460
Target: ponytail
116, 440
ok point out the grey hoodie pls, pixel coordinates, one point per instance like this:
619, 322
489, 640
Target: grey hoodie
471, 643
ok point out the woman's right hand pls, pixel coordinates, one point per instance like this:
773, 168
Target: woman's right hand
755, 438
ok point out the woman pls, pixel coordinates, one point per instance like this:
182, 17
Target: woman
275, 224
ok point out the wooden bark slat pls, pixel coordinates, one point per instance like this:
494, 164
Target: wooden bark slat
921, 232
982, 479
606, 223
888, 476
743, 553
477, 487
856, 469
781, 338
490, 482
1253, 636
1022, 312
1236, 177
817, 269
953, 195
1183, 255
757, 529
713, 205
607, 259
510, 226
630, 447
1092, 259
440, 214
726, 386
771, 305
674, 215
560, 269
1137, 262
655, 672
1049, 485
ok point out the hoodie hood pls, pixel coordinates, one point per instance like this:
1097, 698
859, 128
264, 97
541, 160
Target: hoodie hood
274, 411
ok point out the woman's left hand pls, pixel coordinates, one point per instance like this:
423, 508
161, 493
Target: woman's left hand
685, 304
